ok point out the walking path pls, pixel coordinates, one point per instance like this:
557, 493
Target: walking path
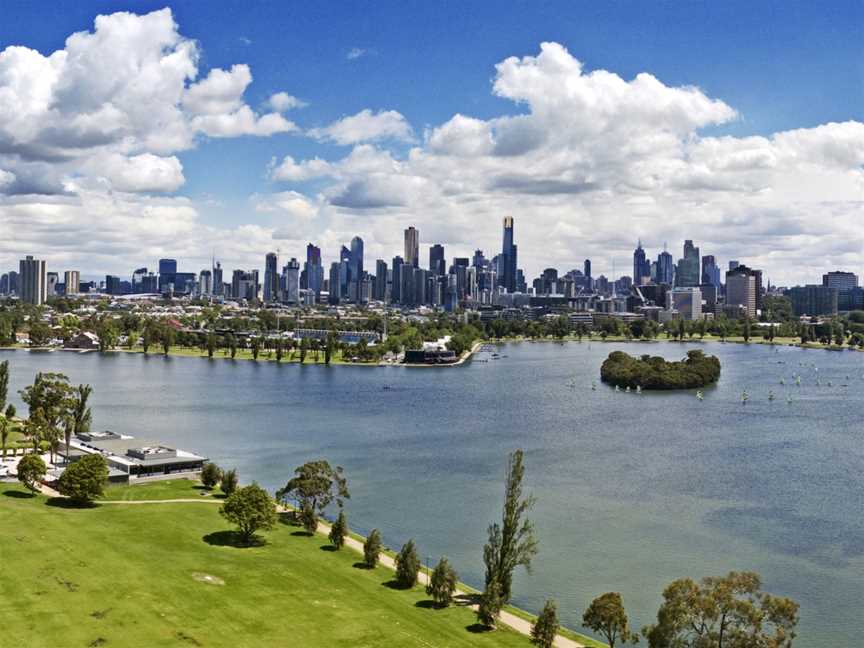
507, 618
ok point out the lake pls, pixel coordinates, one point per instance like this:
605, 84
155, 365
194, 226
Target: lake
633, 490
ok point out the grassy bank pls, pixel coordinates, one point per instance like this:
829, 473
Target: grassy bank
168, 575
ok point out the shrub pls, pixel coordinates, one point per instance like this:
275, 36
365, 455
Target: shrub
372, 548
84, 480
407, 565
211, 475
31, 470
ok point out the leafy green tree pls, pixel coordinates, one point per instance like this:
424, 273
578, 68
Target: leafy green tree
5, 429
107, 334
280, 351
50, 393
168, 337
232, 345
79, 419
606, 617
546, 626
315, 485
308, 517
31, 470
304, 346
512, 543
746, 330
84, 480
10, 412
442, 583
211, 475
372, 548
339, 530
251, 509
407, 565
229, 481
723, 612
150, 336
490, 604
211, 345
255, 343
4, 383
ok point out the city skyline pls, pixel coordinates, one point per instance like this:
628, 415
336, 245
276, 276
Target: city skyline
587, 146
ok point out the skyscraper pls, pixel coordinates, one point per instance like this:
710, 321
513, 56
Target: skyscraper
687, 274
396, 280
507, 260
314, 270
271, 277
355, 269
412, 247
32, 281
665, 268
710, 270
437, 265
291, 282
167, 274
218, 285
379, 290
587, 271
72, 279
741, 289
641, 266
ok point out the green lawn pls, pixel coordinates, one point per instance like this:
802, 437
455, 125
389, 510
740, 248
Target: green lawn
118, 575
157, 490
246, 354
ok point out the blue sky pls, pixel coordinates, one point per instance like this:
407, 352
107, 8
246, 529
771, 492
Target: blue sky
780, 65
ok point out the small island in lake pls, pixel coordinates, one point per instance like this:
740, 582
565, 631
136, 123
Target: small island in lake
654, 372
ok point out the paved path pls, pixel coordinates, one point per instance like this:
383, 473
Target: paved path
516, 623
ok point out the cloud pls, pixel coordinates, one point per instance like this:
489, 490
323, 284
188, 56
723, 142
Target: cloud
366, 126
282, 101
118, 102
355, 53
291, 171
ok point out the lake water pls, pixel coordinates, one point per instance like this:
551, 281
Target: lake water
632, 490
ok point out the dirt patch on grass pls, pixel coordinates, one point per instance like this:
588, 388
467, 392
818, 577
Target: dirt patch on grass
207, 578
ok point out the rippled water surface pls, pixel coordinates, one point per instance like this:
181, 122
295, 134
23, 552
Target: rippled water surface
633, 490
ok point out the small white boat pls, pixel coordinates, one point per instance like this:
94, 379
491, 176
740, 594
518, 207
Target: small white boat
700, 395
638, 389
771, 395
593, 386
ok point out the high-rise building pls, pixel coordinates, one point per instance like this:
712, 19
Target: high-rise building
244, 285
51, 281
72, 279
586, 271
412, 247
741, 290
32, 281
710, 270
437, 264
218, 285
687, 273
396, 280
687, 301
333, 295
641, 266
291, 282
665, 268
507, 260
112, 285
314, 270
840, 280
355, 269
379, 289
733, 264
205, 283
813, 300
271, 278
167, 274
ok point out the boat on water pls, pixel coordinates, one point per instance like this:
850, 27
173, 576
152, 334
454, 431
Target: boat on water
593, 386
638, 389
745, 396
770, 395
700, 395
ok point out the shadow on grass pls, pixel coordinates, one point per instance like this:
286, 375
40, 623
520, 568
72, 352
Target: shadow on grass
362, 565
302, 534
288, 518
330, 548
478, 628
66, 503
19, 494
395, 585
428, 604
467, 599
232, 539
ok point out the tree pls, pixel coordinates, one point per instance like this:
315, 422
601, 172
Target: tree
229, 481
490, 604
606, 617
211, 345
5, 425
150, 336
256, 347
304, 345
407, 565
546, 626
31, 470
10, 412
50, 393
4, 383
512, 544
251, 509
280, 351
210, 475
168, 337
314, 486
339, 530
372, 548
232, 345
746, 331
80, 417
442, 583
84, 480
723, 612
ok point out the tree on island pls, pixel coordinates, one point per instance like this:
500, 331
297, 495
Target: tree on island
372, 549
442, 583
229, 481
512, 544
251, 509
339, 530
407, 565
314, 486
723, 612
490, 604
606, 617
31, 470
546, 626
647, 372
84, 480
211, 475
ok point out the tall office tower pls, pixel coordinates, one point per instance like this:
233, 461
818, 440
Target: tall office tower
32, 281
244, 285
51, 281
205, 283
665, 268
355, 270
814, 300
688, 266
741, 289
379, 290
842, 281
396, 280
437, 265
72, 279
271, 277
687, 301
710, 270
733, 264
4, 284
112, 285
218, 286
507, 259
333, 296
412, 247
587, 271
641, 266
314, 270
137, 281
167, 274
478, 260
291, 282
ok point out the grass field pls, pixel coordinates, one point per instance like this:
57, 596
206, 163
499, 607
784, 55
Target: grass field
162, 489
169, 575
